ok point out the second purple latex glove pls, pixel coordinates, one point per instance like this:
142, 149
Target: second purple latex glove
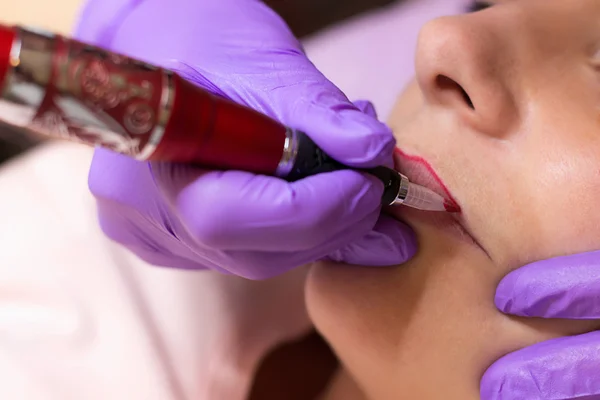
562, 369
235, 222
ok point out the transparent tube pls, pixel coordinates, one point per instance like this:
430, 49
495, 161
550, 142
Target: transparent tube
421, 198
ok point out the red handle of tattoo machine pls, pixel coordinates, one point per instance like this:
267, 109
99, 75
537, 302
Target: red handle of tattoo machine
63, 88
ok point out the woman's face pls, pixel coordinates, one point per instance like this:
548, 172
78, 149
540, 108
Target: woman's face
524, 160
504, 118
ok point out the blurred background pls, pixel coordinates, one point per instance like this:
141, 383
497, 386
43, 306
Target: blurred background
57, 15
304, 16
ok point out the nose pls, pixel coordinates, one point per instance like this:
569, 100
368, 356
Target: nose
462, 66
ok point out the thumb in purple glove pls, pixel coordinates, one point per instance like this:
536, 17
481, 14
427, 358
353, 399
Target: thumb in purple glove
561, 369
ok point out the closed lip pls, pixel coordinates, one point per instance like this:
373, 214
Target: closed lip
419, 171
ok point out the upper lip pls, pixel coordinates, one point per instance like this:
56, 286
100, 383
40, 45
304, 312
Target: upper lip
419, 171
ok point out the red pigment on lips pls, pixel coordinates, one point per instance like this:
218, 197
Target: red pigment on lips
450, 204
7, 37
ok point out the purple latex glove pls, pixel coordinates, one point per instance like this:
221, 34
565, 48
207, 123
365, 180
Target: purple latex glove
561, 369
236, 222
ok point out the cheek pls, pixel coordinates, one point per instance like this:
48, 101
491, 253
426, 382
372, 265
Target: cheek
564, 195
556, 169
554, 184
409, 102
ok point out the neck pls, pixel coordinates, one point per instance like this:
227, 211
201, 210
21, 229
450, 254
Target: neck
300, 370
342, 387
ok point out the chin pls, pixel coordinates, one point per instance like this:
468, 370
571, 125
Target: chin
338, 295
376, 318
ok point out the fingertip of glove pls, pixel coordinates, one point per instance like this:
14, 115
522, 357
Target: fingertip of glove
390, 243
558, 368
366, 107
503, 298
492, 384
350, 136
508, 378
396, 239
112, 176
520, 294
365, 143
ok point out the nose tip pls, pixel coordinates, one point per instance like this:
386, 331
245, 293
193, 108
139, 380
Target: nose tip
458, 66
441, 62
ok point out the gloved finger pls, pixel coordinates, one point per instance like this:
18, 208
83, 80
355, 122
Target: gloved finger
563, 287
131, 212
261, 265
257, 265
560, 369
234, 210
366, 107
336, 125
391, 242
118, 178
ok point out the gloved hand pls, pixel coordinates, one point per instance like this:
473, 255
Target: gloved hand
236, 222
562, 369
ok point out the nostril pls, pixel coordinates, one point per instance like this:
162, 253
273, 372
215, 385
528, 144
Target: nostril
466, 97
447, 84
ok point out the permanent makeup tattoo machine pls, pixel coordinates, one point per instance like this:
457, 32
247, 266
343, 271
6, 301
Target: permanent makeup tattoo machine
64, 89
